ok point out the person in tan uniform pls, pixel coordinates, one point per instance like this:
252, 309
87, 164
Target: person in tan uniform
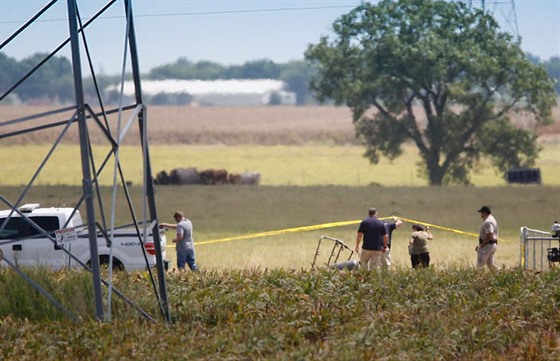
487, 239
418, 246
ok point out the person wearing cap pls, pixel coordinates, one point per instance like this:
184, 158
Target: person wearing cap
390, 226
184, 243
487, 239
374, 235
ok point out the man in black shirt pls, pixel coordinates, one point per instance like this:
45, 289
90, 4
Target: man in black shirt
374, 235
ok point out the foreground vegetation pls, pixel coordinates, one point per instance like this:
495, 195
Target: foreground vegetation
435, 314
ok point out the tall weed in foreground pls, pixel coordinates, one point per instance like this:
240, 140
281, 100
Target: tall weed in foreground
20, 298
406, 314
402, 314
73, 291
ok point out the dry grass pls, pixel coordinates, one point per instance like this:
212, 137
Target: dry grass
554, 128
280, 125
267, 312
229, 126
305, 165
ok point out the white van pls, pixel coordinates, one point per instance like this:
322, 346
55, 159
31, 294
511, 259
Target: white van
24, 245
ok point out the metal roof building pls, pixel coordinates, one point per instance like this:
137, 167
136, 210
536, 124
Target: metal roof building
217, 92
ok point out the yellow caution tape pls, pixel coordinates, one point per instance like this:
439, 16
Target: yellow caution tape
439, 227
445, 228
282, 231
323, 226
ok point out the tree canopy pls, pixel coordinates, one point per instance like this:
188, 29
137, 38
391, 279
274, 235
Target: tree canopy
439, 74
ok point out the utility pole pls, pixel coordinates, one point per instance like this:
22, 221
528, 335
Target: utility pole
84, 148
142, 126
84, 117
504, 12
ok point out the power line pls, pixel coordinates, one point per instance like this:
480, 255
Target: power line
510, 17
204, 13
270, 10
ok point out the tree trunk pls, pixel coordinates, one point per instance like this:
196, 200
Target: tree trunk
435, 172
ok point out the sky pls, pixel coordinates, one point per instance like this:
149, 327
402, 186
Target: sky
228, 31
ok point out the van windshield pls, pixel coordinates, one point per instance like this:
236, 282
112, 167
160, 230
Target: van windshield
11, 231
48, 223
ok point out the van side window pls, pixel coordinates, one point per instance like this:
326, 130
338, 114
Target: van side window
49, 224
11, 230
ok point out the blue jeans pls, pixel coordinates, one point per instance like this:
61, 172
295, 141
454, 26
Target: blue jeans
186, 256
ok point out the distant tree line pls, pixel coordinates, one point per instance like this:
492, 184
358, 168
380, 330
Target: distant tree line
296, 74
53, 82
552, 67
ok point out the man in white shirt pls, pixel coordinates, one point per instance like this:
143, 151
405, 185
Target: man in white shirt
487, 239
184, 243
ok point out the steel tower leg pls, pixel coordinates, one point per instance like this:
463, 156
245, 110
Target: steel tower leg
86, 169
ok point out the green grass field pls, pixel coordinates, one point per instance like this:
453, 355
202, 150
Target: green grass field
279, 165
246, 211
223, 212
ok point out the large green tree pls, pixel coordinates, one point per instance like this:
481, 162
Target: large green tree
439, 74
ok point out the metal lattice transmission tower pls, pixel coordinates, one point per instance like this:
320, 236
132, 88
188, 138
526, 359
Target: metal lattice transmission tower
99, 128
502, 10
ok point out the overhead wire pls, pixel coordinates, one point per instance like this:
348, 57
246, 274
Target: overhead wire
249, 11
203, 13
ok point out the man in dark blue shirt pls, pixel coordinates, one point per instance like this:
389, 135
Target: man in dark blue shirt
374, 235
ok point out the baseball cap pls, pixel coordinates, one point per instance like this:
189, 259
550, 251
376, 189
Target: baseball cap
485, 209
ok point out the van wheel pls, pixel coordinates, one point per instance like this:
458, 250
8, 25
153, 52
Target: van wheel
104, 263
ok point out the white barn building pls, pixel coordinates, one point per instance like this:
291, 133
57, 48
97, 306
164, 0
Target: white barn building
217, 92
